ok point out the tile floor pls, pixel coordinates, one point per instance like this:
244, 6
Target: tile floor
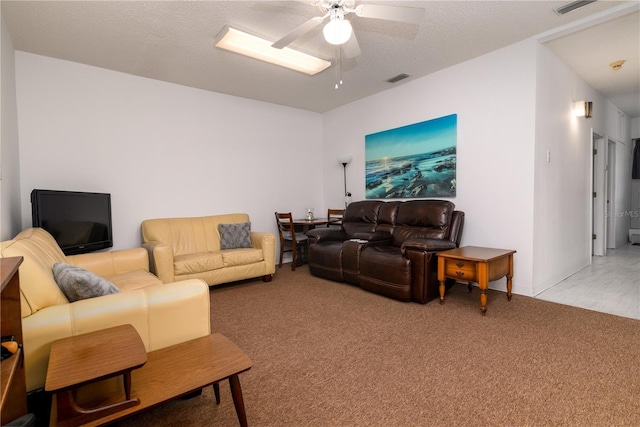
611, 284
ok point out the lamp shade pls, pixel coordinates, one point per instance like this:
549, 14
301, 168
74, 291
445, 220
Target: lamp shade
344, 160
337, 31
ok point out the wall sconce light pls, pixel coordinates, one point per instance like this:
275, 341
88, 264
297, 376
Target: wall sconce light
344, 161
582, 108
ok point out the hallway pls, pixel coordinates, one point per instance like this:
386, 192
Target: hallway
611, 284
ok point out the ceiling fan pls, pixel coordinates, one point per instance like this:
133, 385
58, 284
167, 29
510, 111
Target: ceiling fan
338, 30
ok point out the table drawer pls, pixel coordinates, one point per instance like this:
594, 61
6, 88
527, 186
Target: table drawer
460, 270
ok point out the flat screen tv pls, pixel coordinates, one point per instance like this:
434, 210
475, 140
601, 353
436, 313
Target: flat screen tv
80, 222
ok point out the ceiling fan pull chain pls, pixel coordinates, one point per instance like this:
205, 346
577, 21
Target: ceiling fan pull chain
338, 67
340, 55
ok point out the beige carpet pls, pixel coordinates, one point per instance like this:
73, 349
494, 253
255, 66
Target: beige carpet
331, 354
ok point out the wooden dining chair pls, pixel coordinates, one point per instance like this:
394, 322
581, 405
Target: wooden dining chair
290, 241
334, 217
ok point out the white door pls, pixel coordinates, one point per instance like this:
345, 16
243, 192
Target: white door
610, 188
598, 187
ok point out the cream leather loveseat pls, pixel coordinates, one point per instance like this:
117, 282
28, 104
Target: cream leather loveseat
188, 248
163, 314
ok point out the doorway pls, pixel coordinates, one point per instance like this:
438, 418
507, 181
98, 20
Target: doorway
603, 192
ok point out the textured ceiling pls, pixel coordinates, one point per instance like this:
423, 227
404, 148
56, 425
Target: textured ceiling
173, 41
585, 52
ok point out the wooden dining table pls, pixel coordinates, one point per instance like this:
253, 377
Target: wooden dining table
309, 224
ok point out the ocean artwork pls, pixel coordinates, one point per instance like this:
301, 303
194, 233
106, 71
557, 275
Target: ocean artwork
413, 161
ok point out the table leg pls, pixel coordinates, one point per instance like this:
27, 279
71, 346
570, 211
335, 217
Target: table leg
483, 284
238, 401
441, 278
127, 385
509, 277
216, 392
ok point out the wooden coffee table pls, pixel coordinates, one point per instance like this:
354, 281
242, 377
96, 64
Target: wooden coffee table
476, 264
176, 371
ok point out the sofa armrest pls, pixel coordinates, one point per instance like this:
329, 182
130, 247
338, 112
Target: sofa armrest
266, 242
457, 224
112, 262
163, 315
318, 235
160, 260
376, 236
426, 245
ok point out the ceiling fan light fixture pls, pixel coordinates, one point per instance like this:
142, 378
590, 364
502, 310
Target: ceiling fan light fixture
258, 48
338, 30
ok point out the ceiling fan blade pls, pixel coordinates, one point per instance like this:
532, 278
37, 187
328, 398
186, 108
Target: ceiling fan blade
351, 48
411, 15
298, 32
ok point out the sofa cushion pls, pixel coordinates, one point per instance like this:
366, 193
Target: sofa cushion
197, 263
326, 260
132, 280
242, 256
361, 217
385, 263
77, 283
190, 235
234, 236
423, 219
384, 270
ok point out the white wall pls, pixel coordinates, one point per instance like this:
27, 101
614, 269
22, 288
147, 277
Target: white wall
563, 185
165, 150
494, 97
161, 149
635, 127
10, 213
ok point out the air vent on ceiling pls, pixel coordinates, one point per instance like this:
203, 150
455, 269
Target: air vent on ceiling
572, 6
397, 78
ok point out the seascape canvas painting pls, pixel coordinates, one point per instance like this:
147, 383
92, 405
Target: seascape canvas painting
413, 161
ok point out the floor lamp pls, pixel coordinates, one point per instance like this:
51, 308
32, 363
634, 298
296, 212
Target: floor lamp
344, 161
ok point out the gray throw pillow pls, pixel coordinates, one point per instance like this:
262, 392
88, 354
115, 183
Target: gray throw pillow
77, 283
233, 236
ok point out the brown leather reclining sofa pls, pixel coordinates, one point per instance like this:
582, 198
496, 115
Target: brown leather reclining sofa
388, 247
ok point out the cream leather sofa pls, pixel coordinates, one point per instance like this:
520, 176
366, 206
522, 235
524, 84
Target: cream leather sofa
189, 248
163, 314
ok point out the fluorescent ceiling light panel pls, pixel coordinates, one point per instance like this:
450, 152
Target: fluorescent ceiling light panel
258, 48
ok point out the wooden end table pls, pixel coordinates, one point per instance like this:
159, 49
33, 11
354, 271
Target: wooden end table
87, 358
476, 264
176, 371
